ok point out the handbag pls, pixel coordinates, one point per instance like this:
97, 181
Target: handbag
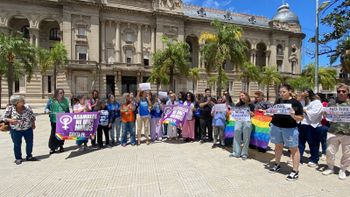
4, 126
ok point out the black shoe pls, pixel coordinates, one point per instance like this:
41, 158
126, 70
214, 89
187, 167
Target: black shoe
18, 161
32, 159
275, 168
61, 150
213, 146
52, 152
293, 176
201, 141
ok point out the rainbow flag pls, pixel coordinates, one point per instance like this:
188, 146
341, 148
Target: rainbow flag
260, 135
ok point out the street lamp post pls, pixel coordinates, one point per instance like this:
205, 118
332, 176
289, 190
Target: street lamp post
318, 10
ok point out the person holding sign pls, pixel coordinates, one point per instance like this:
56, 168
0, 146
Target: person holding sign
310, 127
105, 122
243, 127
156, 114
57, 104
284, 131
339, 134
82, 106
143, 116
188, 128
128, 119
171, 130
219, 112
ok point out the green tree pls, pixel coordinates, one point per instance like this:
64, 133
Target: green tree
17, 58
299, 83
172, 60
338, 19
269, 77
249, 73
327, 76
158, 77
224, 45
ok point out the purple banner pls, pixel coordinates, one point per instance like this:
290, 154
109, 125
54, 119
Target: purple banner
76, 126
175, 114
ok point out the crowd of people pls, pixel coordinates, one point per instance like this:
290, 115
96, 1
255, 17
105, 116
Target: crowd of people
122, 121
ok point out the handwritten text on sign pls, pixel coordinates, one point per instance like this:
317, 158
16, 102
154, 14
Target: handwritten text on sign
282, 109
240, 114
337, 114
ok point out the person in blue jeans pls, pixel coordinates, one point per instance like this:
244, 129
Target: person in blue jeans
22, 122
114, 109
243, 129
127, 111
284, 131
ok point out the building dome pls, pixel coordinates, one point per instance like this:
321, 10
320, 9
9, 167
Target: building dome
285, 15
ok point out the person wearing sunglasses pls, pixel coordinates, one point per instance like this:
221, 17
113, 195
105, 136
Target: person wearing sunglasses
339, 134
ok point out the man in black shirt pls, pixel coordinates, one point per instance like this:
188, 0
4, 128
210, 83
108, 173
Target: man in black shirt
205, 116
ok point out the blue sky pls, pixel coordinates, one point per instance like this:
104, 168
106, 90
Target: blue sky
305, 9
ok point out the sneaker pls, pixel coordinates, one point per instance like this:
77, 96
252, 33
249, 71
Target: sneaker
275, 168
293, 176
312, 164
328, 172
342, 175
213, 146
123, 145
18, 161
234, 155
201, 141
32, 159
52, 152
147, 142
323, 157
244, 157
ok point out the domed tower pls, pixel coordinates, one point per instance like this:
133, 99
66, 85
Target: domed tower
285, 19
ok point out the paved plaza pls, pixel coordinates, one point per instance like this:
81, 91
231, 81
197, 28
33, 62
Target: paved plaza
160, 169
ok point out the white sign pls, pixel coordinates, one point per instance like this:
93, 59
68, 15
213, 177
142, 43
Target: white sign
220, 108
162, 95
145, 86
240, 114
337, 114
282, 109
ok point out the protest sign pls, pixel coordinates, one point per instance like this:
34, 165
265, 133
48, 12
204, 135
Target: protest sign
145, 86
220, 107
240, 114
282, 109
337, 114
76, 126
162, 95
175, 114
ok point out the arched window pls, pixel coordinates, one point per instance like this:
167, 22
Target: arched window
25, 31
55, 34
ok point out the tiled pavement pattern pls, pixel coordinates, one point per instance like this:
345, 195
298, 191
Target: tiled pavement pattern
161, 169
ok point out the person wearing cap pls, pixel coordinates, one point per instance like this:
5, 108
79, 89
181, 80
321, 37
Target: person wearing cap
260, 103
22, 123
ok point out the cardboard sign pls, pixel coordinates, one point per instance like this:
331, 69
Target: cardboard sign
162, 95
220, 107
145, 86
337, 114
175, 115
282, 109
240, 114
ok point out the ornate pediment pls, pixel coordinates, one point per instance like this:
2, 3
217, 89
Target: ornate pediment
170, 4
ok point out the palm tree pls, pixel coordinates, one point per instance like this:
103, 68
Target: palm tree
343, 52
58, 56
194, 73
299, 83
17, 58
327, 76
270, 76
172, 60
158, 77
250, 73
224, 45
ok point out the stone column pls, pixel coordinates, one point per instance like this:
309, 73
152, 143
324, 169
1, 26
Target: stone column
139, 44
153, 43
253, 56
117, 42
103, 41
268, 52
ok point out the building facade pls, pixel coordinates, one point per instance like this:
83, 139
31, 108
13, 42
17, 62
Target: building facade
110, 43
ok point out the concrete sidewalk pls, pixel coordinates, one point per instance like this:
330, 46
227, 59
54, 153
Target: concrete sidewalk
160, 169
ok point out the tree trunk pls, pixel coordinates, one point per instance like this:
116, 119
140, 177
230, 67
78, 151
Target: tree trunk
54, 78
171, 77
219, 83
10, 80
158, 84
248, 82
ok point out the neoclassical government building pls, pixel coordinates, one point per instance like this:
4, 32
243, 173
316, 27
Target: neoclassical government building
110, 43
